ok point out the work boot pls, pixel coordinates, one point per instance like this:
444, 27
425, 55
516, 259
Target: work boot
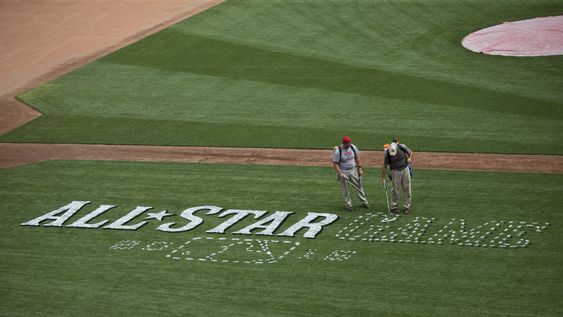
365, 205
349, 208
394, 210
406, 210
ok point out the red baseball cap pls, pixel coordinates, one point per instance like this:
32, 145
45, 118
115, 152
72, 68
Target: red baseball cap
346, 139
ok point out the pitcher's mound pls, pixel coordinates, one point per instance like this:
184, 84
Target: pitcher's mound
533, 37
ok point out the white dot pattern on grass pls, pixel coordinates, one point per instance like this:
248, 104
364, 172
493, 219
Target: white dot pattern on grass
259, 247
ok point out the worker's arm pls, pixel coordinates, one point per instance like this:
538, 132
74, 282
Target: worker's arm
359, 165
336, 161
407, 151
338, 170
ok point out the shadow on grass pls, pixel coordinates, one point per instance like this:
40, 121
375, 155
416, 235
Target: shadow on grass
95, 130
175, 51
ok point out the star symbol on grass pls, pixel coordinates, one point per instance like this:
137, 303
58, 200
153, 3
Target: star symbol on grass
158, 215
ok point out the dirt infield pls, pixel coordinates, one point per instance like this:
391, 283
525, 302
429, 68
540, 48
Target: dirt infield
44, 39
21, 154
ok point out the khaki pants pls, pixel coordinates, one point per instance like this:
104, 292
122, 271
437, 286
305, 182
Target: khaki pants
354, 179
401, 181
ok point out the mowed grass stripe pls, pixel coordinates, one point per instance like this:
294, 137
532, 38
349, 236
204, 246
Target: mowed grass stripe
65, 272
302, 73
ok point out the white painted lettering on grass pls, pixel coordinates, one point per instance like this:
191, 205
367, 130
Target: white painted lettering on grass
367, 227
307, 222
83, 222
491, 234
238, 216
188, 214
58, 220
268, 225
120, 224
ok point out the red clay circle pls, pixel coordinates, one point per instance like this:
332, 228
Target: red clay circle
532, 37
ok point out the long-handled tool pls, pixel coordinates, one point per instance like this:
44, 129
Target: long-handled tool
353, 185
389, 218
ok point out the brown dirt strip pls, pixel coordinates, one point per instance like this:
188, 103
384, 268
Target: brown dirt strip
17, 154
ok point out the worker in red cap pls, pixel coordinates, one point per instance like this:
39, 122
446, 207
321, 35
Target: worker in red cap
346, 162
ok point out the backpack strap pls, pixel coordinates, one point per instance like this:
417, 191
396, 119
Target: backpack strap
340, 152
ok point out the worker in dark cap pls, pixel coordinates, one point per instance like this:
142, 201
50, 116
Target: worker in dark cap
398, 158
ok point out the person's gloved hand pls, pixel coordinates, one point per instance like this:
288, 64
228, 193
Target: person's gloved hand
360, 171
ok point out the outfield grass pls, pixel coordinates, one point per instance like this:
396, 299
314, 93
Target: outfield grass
71, 272
299, 74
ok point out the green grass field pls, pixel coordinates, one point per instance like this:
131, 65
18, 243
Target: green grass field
73, 272
299, 74
295, 74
